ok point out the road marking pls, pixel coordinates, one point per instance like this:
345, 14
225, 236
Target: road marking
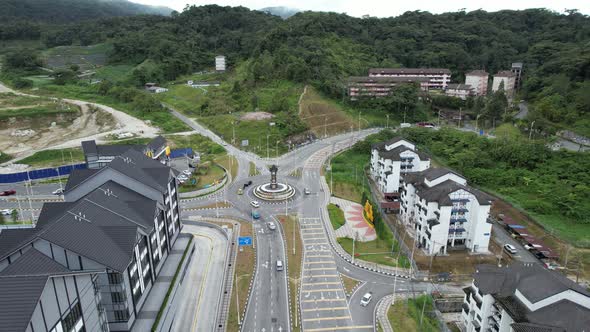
321, 269
322, 262
313, 233
338, 328
325, 318
323, 290
321, 283
323, 276
314, 238
325, 309
320, 256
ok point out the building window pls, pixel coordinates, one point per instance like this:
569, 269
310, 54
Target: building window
72, 318
118, 297
121, 315
115, 278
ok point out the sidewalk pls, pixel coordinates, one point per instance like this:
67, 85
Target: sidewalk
356, 225
147, 316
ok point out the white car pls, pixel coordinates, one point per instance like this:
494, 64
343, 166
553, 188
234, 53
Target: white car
58, 191
255, 204
366, 299
187, 172
271, 225
6, 212
405, 125
182, 177
510, 249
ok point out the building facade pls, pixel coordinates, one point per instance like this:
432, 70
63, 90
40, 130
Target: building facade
506, 79
220, 64
478, 79
524, 297
117, 224
438, 78
459, 91
444, 213
516, 69
376, 87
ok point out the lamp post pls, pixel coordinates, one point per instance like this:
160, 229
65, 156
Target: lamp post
476, 120
387, 123
531, 130
267, 151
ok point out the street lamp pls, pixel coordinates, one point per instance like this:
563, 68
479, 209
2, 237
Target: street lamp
531, 130
387, 125
267, 151
476, 120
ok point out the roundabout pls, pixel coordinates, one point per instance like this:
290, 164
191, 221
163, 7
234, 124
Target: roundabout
274, 191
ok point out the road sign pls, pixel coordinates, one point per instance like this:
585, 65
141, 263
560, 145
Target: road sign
245, 241
245, 142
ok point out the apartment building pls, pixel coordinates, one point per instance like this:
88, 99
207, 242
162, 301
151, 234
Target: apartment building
375, 87
478, 80
524, 297
459, 90
220, 64
391, 159
98, 156
444, 213
116, 226
516, 69
438, 78
506, 79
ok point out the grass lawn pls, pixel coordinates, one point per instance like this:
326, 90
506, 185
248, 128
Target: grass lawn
324, 116
52, 158
347, 175
114, 73
405, 315
348, 283
63, 180
336, 216
376, 251
35, 112
244, 270
206, 176
291, 228
230, 163
208, 149
253, 170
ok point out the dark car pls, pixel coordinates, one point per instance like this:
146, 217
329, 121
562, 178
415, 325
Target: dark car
7, 192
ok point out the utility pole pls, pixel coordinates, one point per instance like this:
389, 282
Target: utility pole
267, 151
294, 244
531, 130
423, 307
359, 122
387, 125
405, 111
233, 124
439, 118
325, 126
277, 149
459, 123
394, 288
353, 240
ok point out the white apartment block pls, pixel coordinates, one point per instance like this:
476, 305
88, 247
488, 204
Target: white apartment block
439, 78
444, 212
220, 63
459, 90
524, 297
507, 78
392, 158
478, 79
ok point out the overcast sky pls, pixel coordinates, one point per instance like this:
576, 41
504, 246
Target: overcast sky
385, 8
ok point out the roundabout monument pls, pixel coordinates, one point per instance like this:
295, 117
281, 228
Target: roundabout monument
274, 190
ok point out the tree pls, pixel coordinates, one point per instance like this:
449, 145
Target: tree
22, 83
14, 215
23, 59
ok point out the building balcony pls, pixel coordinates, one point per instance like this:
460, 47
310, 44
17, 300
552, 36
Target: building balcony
452, 221
459, 209
456, 230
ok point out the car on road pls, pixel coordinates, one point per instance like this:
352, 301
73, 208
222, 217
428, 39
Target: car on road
405, 125
255, 215
279, 265
306, 191
255, 204
271, 225
240, 191
425, 124
247, 184
510, 249
58, 191
7, 192
366, 299
6, 212
187, 172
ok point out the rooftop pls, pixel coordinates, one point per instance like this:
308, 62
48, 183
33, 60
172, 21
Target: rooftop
409, 71
454, 86
504, 73
477, 73
373, 79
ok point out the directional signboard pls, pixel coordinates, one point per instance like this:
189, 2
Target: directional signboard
245, 241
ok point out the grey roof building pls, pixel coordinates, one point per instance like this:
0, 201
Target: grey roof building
116, 226
522, 298
97, 156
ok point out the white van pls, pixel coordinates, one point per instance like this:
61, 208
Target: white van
510, 249
279, 265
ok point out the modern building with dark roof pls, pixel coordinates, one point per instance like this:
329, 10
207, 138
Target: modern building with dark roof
524, 297
391, 159
444, 212
98, 156
375, 87
117, 224
438, 78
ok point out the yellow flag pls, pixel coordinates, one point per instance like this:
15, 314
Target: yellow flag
167, 151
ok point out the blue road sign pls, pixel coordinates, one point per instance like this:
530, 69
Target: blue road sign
245, 241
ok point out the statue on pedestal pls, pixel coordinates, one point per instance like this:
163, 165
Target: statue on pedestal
273, 176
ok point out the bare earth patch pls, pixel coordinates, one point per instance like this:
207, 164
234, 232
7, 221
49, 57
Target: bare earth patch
256, 116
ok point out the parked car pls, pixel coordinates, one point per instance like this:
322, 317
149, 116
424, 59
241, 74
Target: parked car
7, 192
425, 124
255, 204
306, 191
279, 265
6, 212
255, 215
510, 249
187, 172
271, 225
366, 299
182, 177
58, 191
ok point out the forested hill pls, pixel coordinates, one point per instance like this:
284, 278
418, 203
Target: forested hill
66, 11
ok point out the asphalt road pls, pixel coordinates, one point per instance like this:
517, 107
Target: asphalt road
202, 287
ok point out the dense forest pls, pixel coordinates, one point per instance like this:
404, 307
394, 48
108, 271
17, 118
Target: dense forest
324, 48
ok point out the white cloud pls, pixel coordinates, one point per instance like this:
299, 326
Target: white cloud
384, 8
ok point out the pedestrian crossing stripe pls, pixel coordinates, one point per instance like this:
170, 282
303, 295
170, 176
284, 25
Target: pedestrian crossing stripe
325, 318
325, 309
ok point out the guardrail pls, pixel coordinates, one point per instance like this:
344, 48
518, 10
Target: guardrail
40, 173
